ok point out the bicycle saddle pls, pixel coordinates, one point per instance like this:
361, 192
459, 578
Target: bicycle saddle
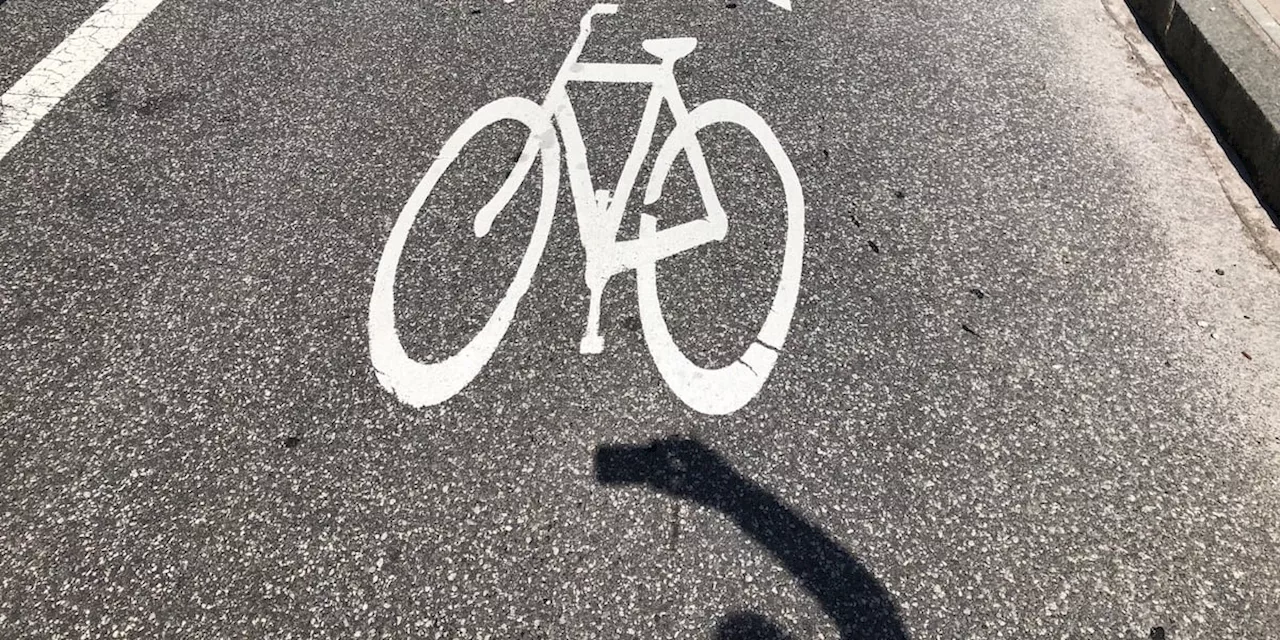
670, 48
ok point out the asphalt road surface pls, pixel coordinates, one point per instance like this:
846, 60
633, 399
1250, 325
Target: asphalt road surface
1029, 388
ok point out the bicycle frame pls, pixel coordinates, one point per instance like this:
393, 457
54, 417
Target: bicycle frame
600, 212
715, 391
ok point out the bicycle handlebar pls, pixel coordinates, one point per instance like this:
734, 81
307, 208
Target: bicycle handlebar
603, 8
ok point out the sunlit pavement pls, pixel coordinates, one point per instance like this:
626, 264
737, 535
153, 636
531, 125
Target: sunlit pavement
1027, 388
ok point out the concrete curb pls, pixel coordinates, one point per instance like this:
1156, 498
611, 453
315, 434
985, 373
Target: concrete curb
1234, 74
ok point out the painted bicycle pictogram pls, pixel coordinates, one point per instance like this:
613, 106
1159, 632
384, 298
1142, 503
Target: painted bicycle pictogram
600, 214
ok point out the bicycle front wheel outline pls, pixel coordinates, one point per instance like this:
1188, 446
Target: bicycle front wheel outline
726, 389
421, 384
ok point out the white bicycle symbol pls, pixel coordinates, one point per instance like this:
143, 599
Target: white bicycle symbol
600, 214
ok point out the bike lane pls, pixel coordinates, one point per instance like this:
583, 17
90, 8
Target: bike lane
971, 415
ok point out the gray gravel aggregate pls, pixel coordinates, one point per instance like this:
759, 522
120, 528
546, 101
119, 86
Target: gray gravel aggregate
995, 400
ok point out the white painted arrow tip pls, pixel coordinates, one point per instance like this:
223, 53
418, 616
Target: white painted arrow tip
785, 4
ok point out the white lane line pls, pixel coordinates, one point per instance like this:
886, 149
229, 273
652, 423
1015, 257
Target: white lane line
34, 95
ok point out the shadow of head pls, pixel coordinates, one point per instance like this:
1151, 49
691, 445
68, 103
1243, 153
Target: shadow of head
689, 470
749, 626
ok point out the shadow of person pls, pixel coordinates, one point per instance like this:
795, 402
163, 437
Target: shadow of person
687, 469
745, 625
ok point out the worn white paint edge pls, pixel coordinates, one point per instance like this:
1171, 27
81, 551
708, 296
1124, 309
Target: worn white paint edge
35, 94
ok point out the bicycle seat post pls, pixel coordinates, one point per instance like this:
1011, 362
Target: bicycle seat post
669, 49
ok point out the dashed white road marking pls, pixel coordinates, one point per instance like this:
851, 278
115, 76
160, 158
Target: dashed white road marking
36, 94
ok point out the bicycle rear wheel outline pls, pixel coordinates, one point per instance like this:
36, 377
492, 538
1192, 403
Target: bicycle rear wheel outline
420, 384
726, 389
